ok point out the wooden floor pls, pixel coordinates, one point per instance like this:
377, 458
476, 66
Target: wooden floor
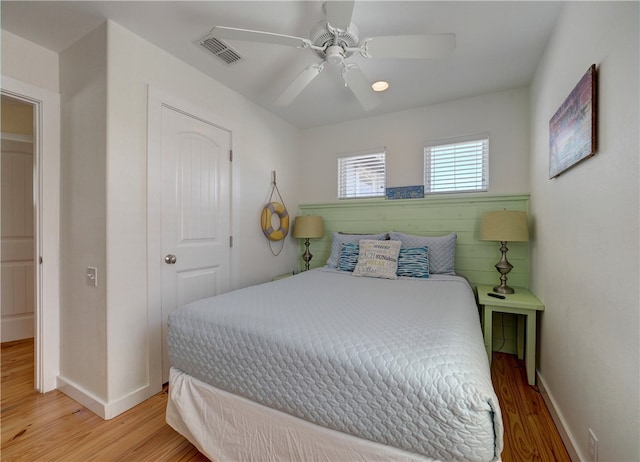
53, 427
529, 431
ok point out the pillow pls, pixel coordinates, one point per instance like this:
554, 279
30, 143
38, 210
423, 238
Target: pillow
348, 256
442, 249
378, 259
339, 239
413, 262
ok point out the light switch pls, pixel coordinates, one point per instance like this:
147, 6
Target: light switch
92, 276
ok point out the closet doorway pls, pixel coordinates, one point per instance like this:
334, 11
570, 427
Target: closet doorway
30, 225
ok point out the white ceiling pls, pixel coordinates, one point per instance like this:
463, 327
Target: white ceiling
498, 46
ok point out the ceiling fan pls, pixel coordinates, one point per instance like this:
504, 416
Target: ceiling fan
334, 39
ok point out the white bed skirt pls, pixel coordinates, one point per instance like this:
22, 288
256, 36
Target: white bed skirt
225, 427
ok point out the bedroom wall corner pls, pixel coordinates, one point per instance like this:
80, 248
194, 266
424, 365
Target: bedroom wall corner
83, 87
585, 250
261, 143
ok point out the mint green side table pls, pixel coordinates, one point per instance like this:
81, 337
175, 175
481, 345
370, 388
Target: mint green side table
521, 302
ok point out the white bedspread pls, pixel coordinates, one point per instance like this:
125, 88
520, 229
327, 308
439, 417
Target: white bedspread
399, 362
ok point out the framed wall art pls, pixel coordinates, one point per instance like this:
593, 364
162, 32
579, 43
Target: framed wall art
572, 129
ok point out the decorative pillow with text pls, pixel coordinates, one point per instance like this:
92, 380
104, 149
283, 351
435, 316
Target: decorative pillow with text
378, 259
338, 239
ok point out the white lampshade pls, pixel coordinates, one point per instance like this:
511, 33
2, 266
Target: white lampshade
505, 226
308, 226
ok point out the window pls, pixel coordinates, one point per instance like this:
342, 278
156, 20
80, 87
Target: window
362, 175
459, 165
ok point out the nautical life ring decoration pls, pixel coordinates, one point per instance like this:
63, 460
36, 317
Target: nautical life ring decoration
275, 208
266, 219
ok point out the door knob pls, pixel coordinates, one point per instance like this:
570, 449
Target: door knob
170, 259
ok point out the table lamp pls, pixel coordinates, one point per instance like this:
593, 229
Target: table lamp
504, 226
307, 227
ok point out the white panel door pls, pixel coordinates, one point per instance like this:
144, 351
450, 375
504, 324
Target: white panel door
17, 287
195, 213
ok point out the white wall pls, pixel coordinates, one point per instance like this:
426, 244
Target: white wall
30, 63
585, 251
504, 115
83, 89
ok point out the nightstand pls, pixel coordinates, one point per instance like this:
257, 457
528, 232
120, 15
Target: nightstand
521, 302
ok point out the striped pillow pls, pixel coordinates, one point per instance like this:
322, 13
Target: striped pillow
414, 262
348, 256
442, 249
338, 240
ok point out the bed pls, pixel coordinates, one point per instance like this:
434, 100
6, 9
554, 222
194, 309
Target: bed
325, 365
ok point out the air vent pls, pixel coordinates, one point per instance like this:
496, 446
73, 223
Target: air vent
221, 50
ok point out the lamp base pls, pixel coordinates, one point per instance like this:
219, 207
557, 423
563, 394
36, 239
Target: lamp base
503, 267
306, 256
503, 289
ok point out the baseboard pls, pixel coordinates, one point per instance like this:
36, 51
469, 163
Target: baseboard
558, 419
77, 393
98, 406
129, 401
16, 327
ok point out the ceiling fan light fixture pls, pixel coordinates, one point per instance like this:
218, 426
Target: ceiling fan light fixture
335, 55
380, 85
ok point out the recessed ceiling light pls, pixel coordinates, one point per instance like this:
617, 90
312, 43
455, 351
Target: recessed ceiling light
380, 85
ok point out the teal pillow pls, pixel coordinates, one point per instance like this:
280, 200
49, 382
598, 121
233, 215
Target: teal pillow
348, 256
413, 262
442, 249
339, 239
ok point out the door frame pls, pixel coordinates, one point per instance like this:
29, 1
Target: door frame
46, 184
156, 100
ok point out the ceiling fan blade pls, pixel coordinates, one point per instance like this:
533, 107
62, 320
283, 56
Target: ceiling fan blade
299, 84
339, 13
410, 46
360, 86
233, 33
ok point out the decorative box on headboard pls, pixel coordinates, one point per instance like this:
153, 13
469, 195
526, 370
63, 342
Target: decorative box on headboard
431, 216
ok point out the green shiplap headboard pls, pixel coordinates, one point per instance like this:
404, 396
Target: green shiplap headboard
431, 216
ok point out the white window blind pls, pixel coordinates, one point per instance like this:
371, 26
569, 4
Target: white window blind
461, 165
362, 175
